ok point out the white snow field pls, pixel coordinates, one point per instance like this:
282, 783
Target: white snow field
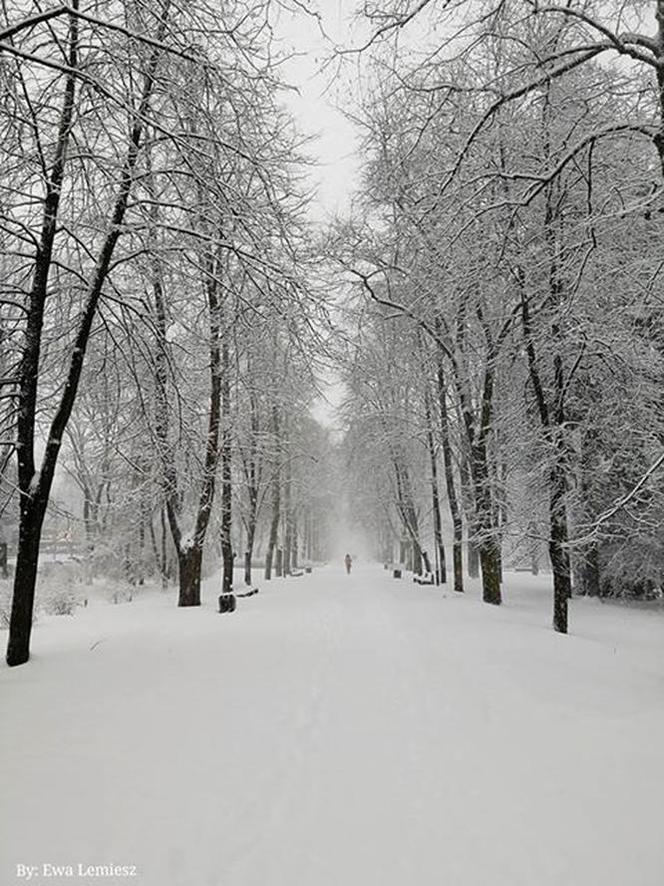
339, 731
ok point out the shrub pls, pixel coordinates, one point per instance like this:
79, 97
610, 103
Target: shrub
60, 601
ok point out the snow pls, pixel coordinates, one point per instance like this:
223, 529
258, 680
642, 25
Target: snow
339, 730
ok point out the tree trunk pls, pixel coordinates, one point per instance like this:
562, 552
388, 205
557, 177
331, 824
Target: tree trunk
288, 552
228, 566
89, 535
287, 562
274, 526
25, 579
226, 485
155, 549
296, 547
252, 473
190, 561
457, 566
4, 572
448, 465
489, 556
441, 568
306, 540
478, 429
417, 559
403, 553
473, 556
441, 571
489, 549
276, 495
251, 536
659, 43
561, 588
408, 514
141, 550
163, 563
558, 552
592, 574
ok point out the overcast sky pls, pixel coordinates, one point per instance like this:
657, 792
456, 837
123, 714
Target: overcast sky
315, 107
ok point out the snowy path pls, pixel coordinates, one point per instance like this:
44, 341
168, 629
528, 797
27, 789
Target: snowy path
340, 730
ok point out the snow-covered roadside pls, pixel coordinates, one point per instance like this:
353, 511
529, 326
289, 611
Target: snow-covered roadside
340, 730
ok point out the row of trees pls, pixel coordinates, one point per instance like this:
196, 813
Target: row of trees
155, 308
508, 248
160, 331
110, 510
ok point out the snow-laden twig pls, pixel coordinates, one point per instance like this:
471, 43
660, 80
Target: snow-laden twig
623, 502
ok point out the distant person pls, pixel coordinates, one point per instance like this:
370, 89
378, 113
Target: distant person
348, 560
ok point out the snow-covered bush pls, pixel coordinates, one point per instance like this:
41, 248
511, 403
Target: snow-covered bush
60, 601
113, 590
59, 588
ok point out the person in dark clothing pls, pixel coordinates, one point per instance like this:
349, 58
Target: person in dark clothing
348, 560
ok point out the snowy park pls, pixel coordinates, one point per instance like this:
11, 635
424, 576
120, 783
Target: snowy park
332, 442
340, 729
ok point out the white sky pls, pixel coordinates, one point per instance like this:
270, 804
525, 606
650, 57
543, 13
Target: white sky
315, 108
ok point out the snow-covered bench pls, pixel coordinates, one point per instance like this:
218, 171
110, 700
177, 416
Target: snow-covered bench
228, 602
398, 569
427, 578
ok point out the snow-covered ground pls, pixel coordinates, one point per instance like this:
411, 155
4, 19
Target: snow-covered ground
339, 731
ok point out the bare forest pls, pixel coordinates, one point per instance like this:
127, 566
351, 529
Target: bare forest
486, 310
332, 442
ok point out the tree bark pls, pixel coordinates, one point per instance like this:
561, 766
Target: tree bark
473, 556
276, 496
590, 572
562, 586
226, 487
296, 546
489, 550
251, 471
32, 513
552, 423
659, 137
441, 572
288, 518
490, 563
407, 512
190, 561
450, 486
